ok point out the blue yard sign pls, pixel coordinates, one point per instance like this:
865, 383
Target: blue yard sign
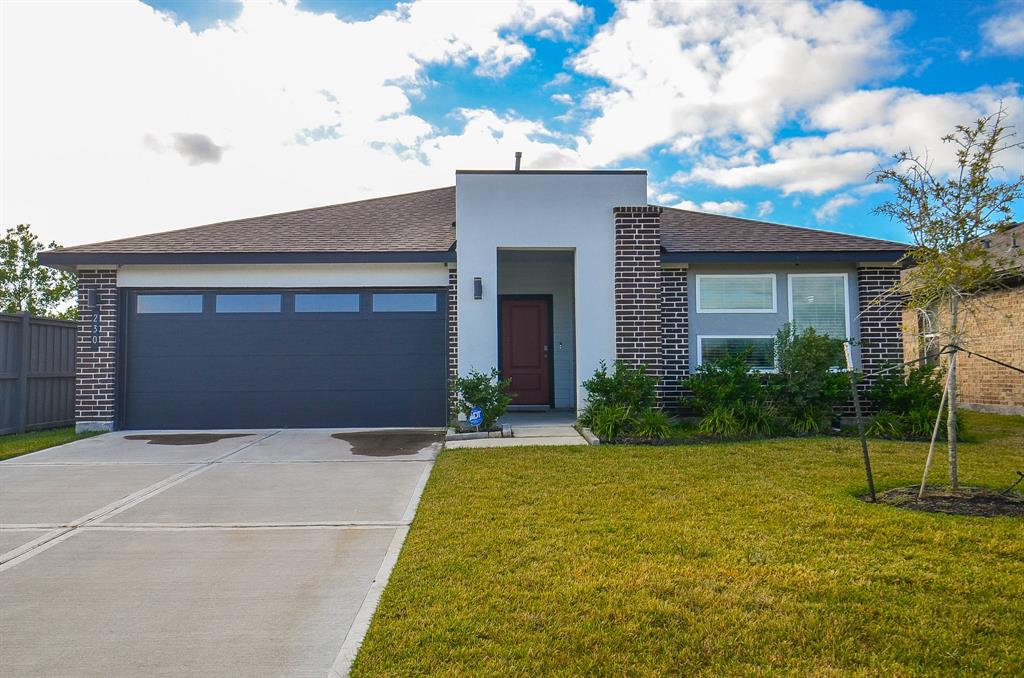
476, 416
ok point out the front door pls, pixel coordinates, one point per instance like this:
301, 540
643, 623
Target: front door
526, 347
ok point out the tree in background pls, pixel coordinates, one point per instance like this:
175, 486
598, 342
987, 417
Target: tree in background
27, 285
948, 216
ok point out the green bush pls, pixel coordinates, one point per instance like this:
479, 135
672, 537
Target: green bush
806, 386
886, 424
726, 382
609, 421
911, 397
721, 422
757, 420
626, 386
489, 392
652, 424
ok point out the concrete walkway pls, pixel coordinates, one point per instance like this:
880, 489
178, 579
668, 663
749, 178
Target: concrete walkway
530, 428
256, 553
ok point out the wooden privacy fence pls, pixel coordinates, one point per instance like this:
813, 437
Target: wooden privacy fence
37, 373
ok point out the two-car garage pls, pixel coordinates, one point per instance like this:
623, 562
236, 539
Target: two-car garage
292, 358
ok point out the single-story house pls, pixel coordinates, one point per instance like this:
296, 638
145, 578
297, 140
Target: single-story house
359, 314
993, 328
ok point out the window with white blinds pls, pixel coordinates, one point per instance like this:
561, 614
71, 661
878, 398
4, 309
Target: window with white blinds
740, 293
819, 300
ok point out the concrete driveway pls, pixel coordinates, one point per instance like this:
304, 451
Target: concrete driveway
245, 553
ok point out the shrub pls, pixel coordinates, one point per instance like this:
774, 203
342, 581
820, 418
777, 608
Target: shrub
807, 387
758, 421
910, 396
885, 424
488, 391
609, 421
726, 382
626, 385
652, 424
721, 421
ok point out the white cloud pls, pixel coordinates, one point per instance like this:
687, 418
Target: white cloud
857, 131
564, 99
1004, 32
765, 208
559, 80
724, 207
277, 109
828, 212
717, 70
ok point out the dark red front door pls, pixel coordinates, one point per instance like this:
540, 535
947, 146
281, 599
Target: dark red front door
525, 348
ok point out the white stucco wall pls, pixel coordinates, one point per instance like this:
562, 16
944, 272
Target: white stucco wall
283, 275
550, 274
541, 211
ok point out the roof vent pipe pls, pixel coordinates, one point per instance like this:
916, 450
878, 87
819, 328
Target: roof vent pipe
519, 157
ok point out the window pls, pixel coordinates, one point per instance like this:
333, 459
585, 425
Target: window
169, 303
818, 300
327, 303
248, 303
405, 303
752, 293
762, 350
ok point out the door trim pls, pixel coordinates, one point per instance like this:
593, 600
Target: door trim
550, 298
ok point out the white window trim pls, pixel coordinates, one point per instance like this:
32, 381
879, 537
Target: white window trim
846, 293
702, 337
773, 309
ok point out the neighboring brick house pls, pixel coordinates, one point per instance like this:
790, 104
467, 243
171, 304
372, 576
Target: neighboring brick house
356, 315
994, 325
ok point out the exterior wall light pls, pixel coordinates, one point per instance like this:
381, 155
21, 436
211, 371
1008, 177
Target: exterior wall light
478, 288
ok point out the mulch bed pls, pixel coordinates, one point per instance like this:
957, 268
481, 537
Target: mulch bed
969, 501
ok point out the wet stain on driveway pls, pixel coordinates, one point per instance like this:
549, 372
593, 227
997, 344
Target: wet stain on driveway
393, 444
186, 438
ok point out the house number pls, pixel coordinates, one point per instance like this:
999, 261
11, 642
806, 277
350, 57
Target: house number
94, 322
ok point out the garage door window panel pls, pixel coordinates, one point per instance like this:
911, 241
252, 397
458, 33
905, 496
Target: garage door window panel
248, 303
169, 303
405, 302
327, 303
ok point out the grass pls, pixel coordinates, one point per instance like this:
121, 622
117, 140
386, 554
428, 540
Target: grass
747, 558
22, 443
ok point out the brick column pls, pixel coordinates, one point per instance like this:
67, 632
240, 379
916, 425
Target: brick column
96, 365
675, 335
453, 334
881, 320
638, 287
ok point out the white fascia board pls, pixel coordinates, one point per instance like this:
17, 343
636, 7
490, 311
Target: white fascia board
283, 275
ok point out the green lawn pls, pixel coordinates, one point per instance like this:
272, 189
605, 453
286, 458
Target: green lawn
719, 559
23, 443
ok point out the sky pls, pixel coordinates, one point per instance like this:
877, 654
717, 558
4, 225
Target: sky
120, 118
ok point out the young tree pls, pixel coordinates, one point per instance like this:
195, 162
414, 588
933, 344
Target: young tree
948, 215
27, 285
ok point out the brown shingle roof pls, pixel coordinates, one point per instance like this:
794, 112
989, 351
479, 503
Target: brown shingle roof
412, 222
419, 225
685, 231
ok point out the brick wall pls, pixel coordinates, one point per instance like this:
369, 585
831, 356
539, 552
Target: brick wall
993, 322
675, 335
638, 287
453, 332
95, 370
881, 320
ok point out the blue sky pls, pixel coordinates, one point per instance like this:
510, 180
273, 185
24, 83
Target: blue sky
573, 86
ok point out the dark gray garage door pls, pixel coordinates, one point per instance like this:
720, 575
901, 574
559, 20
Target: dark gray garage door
284, 358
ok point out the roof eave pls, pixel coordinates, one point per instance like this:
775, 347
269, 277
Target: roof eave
63, 259
892, 256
